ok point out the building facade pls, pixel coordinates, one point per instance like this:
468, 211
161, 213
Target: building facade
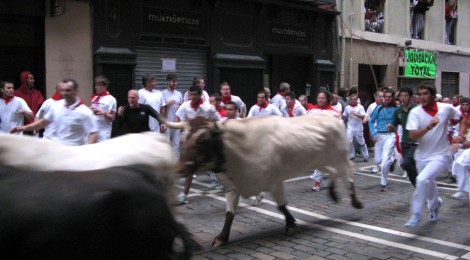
376, 33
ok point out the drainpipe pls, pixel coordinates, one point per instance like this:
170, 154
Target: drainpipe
343, 45
351, 51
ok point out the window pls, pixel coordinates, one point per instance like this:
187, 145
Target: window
449, 84
451, 16
374, 15
418, 9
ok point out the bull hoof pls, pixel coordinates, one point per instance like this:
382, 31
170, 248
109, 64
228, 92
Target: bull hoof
291, 230
216, 243
356, 203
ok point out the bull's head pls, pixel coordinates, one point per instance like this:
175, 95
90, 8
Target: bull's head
202, 149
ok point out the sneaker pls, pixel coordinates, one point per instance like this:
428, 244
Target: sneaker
352, 158
413, 222
392, 167
404, 175
182, 198
434, 214
316, 186
366, 159
213, 185
458, 195
383, 187
258, 199
375, 169
359, 155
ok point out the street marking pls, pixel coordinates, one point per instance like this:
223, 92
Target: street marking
357, 224
344, 232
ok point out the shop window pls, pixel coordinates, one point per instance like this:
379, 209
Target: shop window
418, 9
374, 15
451, 16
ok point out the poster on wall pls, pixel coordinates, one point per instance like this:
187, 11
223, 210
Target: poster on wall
420, 64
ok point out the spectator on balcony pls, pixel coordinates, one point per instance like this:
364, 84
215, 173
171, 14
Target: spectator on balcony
419, 9
451, 15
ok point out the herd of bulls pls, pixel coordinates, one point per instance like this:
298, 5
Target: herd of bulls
114, 199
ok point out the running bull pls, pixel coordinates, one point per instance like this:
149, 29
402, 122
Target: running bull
257, 154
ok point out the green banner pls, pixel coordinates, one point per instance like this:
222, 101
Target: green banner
420, 64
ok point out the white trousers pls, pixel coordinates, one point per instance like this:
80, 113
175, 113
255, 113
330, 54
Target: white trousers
359, 136
383, 154
174, 136
461, 168
426, 186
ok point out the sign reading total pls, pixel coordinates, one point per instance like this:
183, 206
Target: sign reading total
420, 64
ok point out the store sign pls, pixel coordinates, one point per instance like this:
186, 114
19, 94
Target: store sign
288, 34
420, 64
172, 22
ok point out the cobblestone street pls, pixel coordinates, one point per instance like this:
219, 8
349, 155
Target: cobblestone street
328, 230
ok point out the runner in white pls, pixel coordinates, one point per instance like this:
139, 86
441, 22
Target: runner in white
154, 98
227, 96
293, 108
263, 107
104, 107
13, 110
45, 107
198, 81
173, 100
354, 113
427, 124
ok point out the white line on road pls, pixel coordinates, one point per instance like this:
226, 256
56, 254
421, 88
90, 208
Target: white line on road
371, 227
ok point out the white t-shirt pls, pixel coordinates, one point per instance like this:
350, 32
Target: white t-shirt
237, 100
50, 128
108, 104
298, 110
371, 109
185, 112
154, 99
9, 118
435, 141
205, 96
269, 110
338, 107
171, 109
73, 124
279, 101
354, 122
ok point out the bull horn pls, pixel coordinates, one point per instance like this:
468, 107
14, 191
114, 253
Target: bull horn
173, 125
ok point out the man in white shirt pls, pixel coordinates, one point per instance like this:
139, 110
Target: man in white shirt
278, 100
191, 109
74, 121
173, 100
49, 130
154, 98
293, 108
427, 124
198, 81
104, 107
263, 107
13, 110
227, 96
354, 113
379, 97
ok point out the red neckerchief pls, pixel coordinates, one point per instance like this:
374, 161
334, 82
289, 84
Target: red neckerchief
7, 99
56, 96
309, 107
325, 107
221, 111
281, 93
196, 106
431, 109
353, 105
96, 97
262, 106
456, 105
227, 99
76, 104
466, 115
289, 110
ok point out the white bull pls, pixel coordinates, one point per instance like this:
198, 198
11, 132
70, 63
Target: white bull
149, 149
258, 154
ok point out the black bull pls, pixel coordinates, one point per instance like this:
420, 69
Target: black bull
116, 213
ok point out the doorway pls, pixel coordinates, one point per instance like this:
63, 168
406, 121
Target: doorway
245, 83
291, 69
